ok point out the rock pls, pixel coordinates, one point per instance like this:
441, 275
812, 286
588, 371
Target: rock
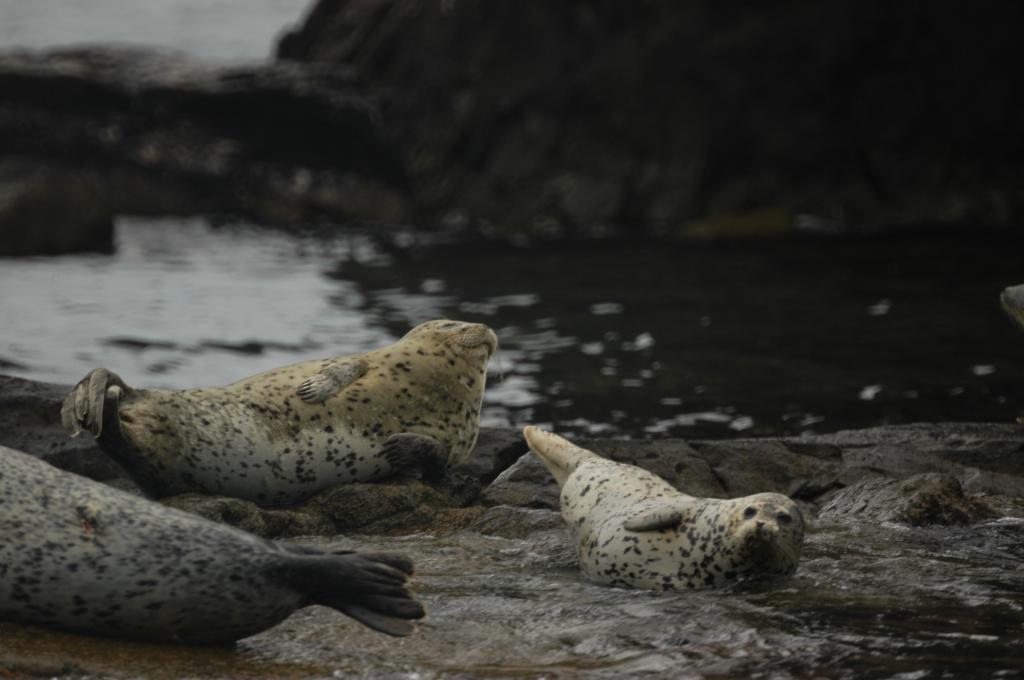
921, 500
496, 449
982, 456
47, 209
269, 523
512, 522
526, 484
724, 469
496, 490
137, 131
568, 118
30, 422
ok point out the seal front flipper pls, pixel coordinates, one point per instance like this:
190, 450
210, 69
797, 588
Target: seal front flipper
85, 406
406, 450
331, 379
654, 519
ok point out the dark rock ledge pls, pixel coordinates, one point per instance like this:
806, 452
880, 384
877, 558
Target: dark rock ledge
90, 133
941, 473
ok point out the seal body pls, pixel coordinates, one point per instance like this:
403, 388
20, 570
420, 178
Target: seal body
1012, 301
632, 528
79, 555
280, 436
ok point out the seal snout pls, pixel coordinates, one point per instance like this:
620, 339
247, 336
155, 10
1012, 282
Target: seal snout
477, 335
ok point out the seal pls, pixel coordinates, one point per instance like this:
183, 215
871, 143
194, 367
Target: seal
632, 528
79, 555
1012, 301
281, 436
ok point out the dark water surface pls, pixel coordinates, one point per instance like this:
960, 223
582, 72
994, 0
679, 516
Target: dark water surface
639, 340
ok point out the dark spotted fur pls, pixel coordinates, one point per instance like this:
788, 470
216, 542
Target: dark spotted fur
79, 555
281, 436
632, 528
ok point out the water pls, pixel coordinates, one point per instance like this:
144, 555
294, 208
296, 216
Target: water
638, 340
867, 602
214, 29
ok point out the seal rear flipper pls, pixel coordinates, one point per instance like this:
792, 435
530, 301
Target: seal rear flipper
654, 520
382, 624
331, 380
370, 588
86, 407
406, 450
395, 561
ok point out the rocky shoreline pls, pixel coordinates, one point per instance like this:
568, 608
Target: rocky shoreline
921, 474
912, 526
530, 120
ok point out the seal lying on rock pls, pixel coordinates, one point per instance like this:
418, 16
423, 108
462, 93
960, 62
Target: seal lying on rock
632, 528
1012, 300
279, 437
80, 555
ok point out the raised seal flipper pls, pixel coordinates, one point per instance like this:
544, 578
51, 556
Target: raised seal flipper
559, 455
407, 450
370, 588
654, 519
331, 380
83, 408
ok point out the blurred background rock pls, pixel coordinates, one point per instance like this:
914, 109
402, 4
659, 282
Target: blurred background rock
529, 119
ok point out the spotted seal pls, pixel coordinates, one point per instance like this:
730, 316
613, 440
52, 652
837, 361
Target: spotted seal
632, 528
1012, 300
279, 437
80, 555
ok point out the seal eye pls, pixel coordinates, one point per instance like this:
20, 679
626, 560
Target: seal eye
749, 512
449, 325
784, 518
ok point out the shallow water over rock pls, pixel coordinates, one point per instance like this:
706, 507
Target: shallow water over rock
868, 601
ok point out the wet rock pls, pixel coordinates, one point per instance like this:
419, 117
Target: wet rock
30, 422
526, 484
564, 118
389, 506
275, 523
130, 130
724, 469
46, 209
982, 459
496, 449
516, 522
921, 500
